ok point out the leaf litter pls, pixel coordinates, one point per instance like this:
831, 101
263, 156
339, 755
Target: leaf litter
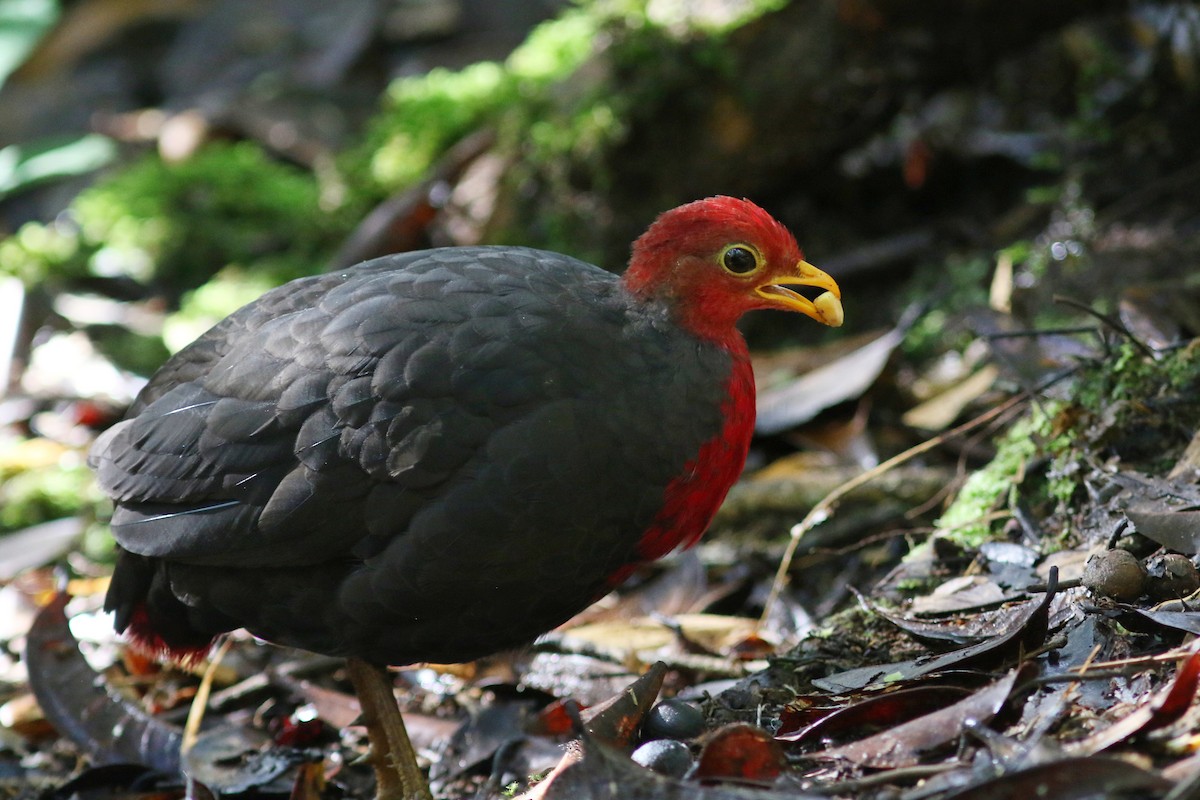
994, 655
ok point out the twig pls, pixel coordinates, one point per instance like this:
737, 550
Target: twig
898, 775
879, 253
1133, 200
1174, 654
1111, 322
191, 728
1035, 333
821, 511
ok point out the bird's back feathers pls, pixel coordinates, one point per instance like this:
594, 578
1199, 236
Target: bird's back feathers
399, 447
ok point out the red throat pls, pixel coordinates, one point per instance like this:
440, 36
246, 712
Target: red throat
692, 499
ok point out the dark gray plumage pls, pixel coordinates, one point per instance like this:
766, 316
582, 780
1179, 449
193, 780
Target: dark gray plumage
360, 462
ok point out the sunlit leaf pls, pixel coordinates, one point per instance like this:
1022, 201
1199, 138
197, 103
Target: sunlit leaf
22, 165
22, 25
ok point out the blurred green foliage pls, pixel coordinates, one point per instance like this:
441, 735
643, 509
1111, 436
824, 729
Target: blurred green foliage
22, 25
29, 163
181, 222
231, 205
39, 252
214, 231
622, 57
977, 511
43, 493
175, 224
424, 115
42, 480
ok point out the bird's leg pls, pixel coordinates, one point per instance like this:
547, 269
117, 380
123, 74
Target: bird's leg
397, 775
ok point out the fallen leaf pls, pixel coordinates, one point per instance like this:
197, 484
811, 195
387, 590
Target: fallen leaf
232, 759
1188, 465
1027, 630
964, 593
1167, 706
1186, 621
84, 708
902, 745
1069, 779
1175, 529
938, 413
479, 738
844, 379
37, 545
645, 636
740, 752
617, 720
885, 709
1163, 510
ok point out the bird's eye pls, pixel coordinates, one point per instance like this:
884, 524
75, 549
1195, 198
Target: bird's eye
739, 259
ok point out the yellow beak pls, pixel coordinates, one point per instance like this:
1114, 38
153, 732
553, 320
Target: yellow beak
826, 309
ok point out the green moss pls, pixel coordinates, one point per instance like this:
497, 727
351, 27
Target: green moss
559, 104
1130, 407
41, 494
948, 289
174, 225
1130, 375
652, 56
423, 115
969, 520
231, 204
177, 224
557, 48
37, 252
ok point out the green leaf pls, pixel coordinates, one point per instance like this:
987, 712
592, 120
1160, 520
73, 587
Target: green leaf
22, 25
24, 164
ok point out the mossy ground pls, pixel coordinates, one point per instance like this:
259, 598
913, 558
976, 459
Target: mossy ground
1128, 408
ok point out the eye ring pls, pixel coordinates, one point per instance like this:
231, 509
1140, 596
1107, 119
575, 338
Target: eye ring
740, 259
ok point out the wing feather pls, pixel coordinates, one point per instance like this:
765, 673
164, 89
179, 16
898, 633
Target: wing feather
383, 416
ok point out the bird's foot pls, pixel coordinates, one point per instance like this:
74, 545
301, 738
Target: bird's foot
397, 775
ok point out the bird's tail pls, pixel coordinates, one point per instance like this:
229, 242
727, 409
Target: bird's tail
153, 619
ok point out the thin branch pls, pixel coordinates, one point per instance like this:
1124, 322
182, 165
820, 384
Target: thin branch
821, 511
191, 729
1111, 322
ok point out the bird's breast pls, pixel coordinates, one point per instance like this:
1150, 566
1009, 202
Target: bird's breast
692, 498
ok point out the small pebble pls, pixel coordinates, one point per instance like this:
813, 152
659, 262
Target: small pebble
1115, 573
665, 756
673, 719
